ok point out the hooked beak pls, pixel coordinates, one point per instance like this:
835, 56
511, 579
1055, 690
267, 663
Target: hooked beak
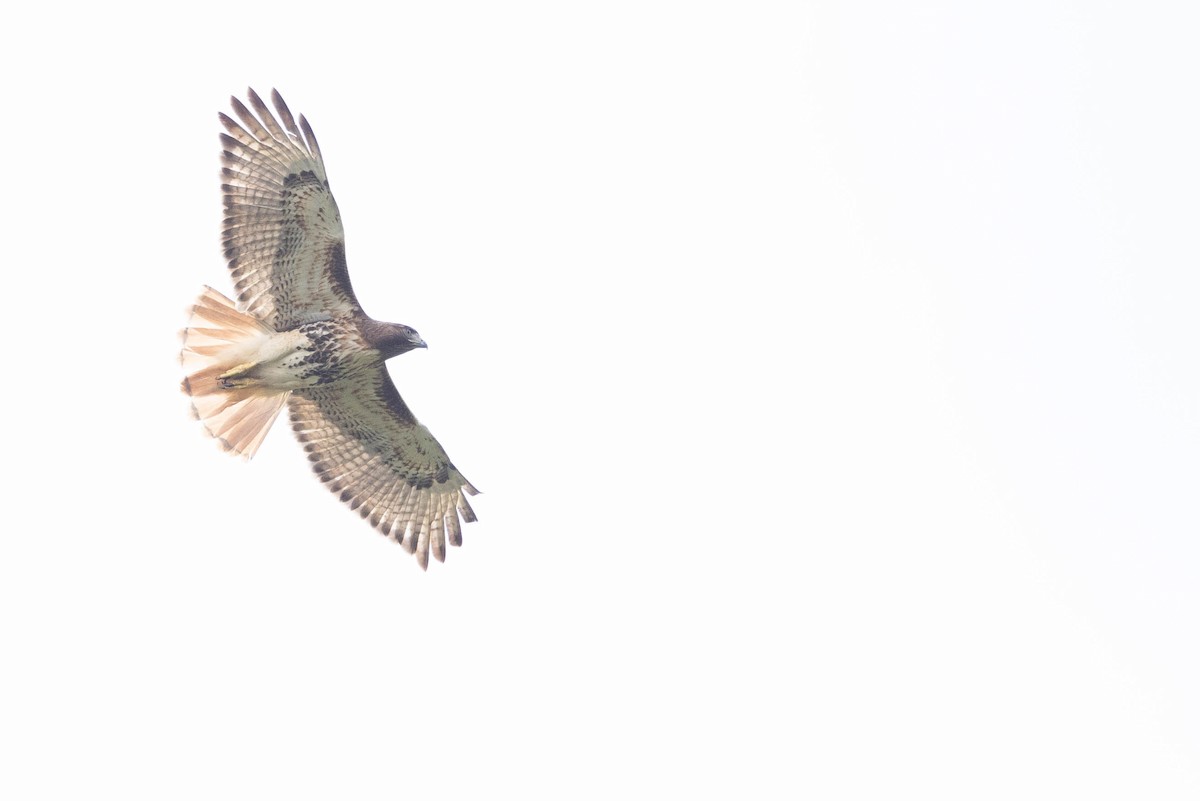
417, 342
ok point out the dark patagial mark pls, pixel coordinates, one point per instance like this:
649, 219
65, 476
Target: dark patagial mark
339, 273
395, 403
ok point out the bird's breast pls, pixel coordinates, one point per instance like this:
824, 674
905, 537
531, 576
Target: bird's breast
329, 350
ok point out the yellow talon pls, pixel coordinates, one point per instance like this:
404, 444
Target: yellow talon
239, 370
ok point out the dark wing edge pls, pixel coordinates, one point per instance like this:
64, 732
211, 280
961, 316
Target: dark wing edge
282, 233
368, 449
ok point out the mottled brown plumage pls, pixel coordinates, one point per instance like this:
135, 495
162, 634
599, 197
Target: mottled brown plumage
297, 335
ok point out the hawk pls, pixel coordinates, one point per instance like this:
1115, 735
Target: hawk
297, 337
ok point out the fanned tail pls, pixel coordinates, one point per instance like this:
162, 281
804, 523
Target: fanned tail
218, 341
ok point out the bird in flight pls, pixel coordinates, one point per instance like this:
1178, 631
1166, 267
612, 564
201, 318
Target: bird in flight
296, 336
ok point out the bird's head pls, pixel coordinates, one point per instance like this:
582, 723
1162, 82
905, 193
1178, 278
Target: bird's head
392, 339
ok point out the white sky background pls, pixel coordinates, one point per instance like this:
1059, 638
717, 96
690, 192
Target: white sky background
829, 371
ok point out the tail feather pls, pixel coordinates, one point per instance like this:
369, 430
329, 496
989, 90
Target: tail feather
238, 417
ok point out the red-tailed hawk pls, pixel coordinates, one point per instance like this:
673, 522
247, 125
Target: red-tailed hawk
297, 337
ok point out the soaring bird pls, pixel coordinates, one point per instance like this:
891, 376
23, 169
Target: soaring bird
297, 336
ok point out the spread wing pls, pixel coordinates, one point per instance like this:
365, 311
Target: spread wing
282, 231
368, 448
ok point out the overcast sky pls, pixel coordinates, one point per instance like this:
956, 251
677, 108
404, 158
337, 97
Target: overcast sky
828, 369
